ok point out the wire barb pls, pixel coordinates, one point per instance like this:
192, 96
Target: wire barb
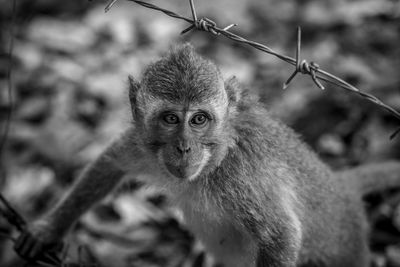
204, 24
230, 26
110, 5
192, 8
313, 69
303, 66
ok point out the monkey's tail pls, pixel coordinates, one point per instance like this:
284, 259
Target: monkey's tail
374, 177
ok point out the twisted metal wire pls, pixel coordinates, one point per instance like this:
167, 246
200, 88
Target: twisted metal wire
302, 66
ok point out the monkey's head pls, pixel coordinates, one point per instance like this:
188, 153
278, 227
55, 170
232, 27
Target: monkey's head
180, 111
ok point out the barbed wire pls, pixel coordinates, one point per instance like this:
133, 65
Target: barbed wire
49, 258
302, 66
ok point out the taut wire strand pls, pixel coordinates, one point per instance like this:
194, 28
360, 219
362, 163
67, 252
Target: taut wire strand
317, 74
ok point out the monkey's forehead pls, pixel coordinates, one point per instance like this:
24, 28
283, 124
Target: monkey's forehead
185, 89
157, 103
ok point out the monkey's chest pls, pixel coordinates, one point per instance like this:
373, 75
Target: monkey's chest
225, 241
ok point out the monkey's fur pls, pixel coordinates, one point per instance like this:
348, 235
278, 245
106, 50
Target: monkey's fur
248, 187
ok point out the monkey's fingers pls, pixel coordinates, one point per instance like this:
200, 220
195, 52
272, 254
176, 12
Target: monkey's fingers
28, 247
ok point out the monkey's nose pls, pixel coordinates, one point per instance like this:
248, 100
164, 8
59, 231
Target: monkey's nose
183, 149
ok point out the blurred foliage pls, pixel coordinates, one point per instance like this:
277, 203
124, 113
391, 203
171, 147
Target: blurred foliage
70, 66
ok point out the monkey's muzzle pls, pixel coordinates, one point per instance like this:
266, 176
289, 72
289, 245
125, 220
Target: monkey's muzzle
182, 171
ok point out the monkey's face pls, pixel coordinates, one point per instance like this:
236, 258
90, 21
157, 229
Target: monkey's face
180, 109
182, 138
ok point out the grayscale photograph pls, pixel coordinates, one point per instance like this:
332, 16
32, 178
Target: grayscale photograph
199, 133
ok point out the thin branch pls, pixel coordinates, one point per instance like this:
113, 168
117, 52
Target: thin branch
4, 136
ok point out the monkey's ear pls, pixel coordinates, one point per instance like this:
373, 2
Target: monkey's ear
234, 90
133, 89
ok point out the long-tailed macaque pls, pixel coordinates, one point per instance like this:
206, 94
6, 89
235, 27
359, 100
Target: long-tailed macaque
249, 189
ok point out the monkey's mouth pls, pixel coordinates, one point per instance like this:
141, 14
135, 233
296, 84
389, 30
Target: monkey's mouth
185, 168
183, 171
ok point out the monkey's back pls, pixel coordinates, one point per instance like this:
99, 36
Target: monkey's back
331, 214
334, 226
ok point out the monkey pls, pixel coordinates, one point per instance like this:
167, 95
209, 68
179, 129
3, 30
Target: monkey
248, 187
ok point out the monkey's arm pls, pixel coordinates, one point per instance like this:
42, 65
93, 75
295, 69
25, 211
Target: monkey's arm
278, 247
95, 182
276, 229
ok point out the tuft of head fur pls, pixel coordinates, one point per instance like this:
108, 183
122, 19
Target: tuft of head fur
182, 76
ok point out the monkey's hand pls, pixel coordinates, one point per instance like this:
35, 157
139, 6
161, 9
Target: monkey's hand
38, 242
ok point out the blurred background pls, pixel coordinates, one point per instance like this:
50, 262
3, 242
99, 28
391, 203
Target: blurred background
70, 66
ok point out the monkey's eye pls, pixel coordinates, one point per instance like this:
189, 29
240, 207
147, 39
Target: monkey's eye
199, 119
171, 118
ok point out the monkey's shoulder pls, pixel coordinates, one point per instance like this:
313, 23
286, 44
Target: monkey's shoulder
259, 135
266, 146
128, 153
